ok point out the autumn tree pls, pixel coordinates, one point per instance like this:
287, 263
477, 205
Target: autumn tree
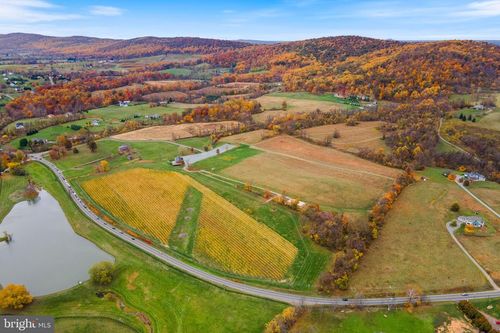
92, 145
102, 273
14, 297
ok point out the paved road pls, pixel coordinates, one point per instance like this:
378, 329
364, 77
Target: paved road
281, 296
452, 230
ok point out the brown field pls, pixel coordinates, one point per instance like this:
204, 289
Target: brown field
167, 83
414, 248
239, 85
352, 138
300, 149
315, 174
174, 132
248, 138
162, 96
294, 105
132, 86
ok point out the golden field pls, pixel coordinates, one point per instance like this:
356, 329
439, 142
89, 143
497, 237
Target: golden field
227, 238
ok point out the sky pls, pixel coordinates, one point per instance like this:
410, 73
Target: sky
272, 20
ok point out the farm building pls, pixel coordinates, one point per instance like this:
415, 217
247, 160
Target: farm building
19, 126
478, 107
123, 103
475, 176
475, 221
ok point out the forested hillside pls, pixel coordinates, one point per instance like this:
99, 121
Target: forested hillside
78, 46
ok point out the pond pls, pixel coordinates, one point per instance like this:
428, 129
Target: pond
45, 254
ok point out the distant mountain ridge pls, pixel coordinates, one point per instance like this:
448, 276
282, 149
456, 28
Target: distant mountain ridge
81, 46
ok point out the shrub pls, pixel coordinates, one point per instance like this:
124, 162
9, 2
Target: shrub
466, 182
454, 223
15, 297
75, 127
23, 142
476, 317
75, 150
102, 273
455, 207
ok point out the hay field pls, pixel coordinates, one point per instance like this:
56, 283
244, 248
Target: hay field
415, 249
248, 138
272, 106
287, 145
174, 132
352, 138
314, 174
139, 198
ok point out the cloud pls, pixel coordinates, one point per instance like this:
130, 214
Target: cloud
480, 9
32, 11
106, 11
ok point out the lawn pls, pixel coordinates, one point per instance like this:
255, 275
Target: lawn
169, 299
414, 248
312, 97
115, 113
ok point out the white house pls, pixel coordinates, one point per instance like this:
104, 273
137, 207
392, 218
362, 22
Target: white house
475, 221
479, 107
124, 103
474, 176
19, 126
95, 122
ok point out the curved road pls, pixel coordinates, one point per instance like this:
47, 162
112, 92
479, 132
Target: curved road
281, 296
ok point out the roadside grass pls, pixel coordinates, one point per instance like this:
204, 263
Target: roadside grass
234, 156
183, 235
172, 300
422, 320
414, 249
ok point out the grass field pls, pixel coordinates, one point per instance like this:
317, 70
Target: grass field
87, 324
296, 103
248, 138
174, 132
11, 192
333, 179
171, 300
489, 192
352, 138
108, 116
414, 248
426, 319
